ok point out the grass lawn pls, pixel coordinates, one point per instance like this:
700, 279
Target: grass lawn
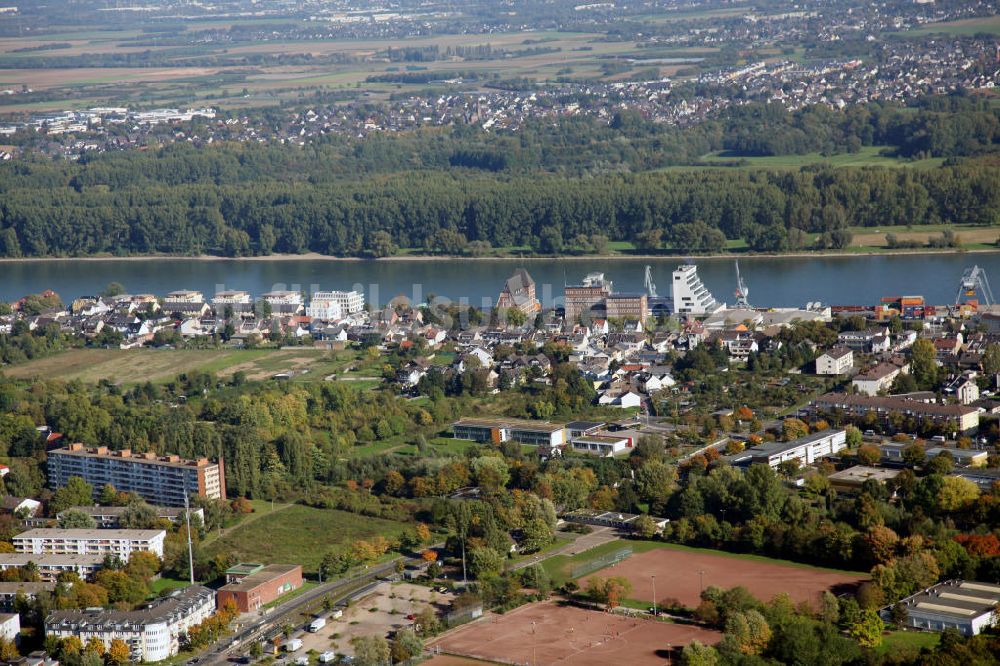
973, 26
910, 641
300, 535
306, 586
164, 583
160, 365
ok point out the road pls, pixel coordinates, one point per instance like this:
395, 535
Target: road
269, 625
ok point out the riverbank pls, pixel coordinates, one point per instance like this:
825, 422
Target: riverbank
617, 256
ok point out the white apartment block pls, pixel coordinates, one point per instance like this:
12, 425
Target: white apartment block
837, 361
50, 566
284, 297
690, 295
119, 543
152, 633
349, 302
232, 298
186, 296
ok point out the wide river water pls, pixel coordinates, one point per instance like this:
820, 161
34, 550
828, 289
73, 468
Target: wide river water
773, 281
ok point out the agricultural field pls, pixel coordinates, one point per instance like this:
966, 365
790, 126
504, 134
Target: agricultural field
549, 633
298, 534
230, 85
681, 574
974, 26
160, 365
970, 236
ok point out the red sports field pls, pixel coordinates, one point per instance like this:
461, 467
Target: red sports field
546, 633
677, 576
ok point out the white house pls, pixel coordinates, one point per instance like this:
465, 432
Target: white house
837, 361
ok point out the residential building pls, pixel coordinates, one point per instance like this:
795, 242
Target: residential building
519, 293
837, 361
165, 480
605, 444
110, 516
877, 379
503, 430
252, 586
20, 507
323, 308
185, 296
869, 341
30, 591
349, 302
964, 388
690, 295
119, 543
968, 606
152, 633
50, 566
806, 450
232, 298
282, 297
959, 418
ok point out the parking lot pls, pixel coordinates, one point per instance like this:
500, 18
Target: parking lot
382, 611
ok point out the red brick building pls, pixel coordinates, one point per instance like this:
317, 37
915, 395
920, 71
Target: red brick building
253, 586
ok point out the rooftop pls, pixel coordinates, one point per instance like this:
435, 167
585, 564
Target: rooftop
79, 450
858, 474
180, 602
260, 577
959, 599
514, 424
92, 535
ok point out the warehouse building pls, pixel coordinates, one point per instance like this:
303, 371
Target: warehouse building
967, 606
253, 586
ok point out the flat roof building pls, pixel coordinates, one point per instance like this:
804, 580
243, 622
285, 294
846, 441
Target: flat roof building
50, 566
806, 450
10, 591
152, 633
965, 605
603, 444
119, 543
517, 430
853, 478
252, 586
160, 480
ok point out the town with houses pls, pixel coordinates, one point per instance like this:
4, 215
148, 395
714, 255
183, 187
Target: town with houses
898, 73
630, 347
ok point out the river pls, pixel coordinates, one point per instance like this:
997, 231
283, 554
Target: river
773, 281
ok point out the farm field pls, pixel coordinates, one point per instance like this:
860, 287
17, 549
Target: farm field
680, 573
158, 365
299, 534
972, 26
549, 633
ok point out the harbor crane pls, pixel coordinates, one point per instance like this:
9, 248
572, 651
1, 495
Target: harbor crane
742, 290
974, 280
649, 284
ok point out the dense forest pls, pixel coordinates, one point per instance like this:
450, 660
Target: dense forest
464, 190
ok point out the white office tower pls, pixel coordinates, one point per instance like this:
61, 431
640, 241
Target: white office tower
690, 295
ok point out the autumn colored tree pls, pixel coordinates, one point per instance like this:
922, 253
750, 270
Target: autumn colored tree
868, 629
429, 555
869, 454
118, 653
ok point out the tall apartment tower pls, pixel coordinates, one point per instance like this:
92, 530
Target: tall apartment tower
160, 480
690, 295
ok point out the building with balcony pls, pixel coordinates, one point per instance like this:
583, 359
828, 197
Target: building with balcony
160, 480
117, 543
690, 295
152, 633
50, 566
